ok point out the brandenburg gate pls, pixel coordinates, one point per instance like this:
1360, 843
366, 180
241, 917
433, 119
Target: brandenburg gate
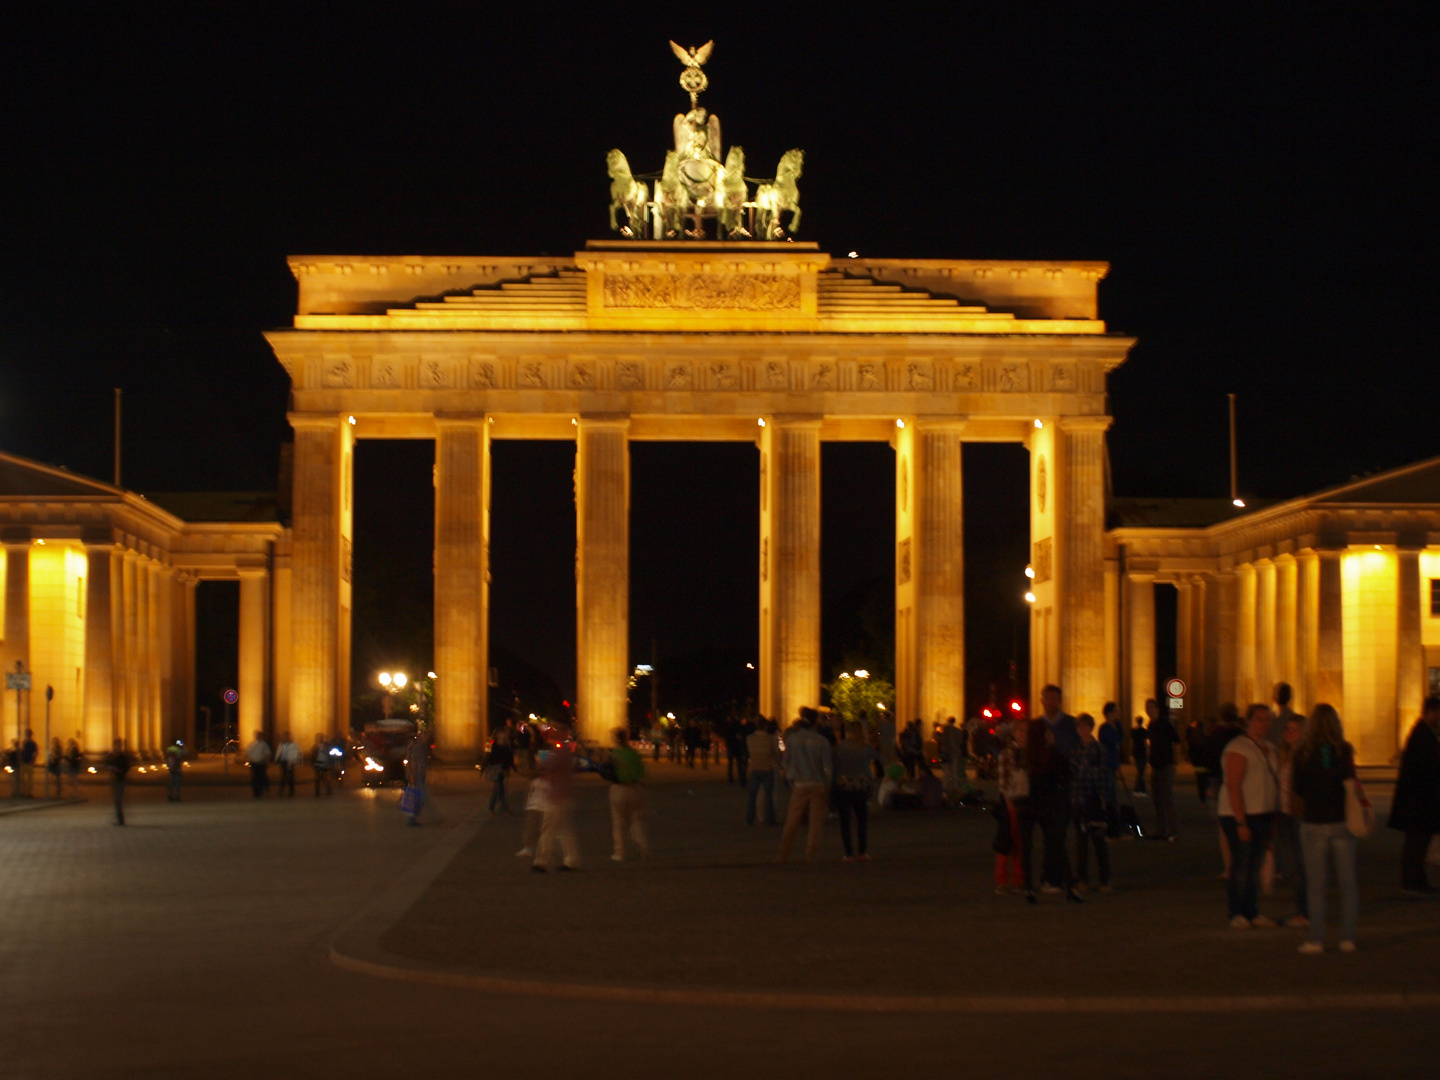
774, 342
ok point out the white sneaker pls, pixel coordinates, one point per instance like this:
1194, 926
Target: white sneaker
1239, 922
1312, 947
1347, 946
525, 853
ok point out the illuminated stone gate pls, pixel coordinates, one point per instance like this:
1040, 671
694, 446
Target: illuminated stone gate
774, 343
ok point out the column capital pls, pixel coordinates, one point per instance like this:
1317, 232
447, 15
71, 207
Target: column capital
1074, 424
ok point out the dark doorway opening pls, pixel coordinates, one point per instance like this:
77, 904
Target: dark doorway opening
997, 549
857, 559
217, 661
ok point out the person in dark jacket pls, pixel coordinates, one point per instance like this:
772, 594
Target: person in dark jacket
1053, 737
1415, 810
1163, 739
1139, 750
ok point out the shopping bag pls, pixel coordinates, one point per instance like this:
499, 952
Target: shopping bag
410, 801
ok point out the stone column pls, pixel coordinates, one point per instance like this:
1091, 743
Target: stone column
1140, 601
790, 567
166, 646
99, 650
155, 662
1307, 639
602, 576
1227, 595
1287, 593
17, 635
320, 562
1114, 616
250, 710
183, 622
131, 665
1410, 683
281, 621
930, 604
1266, 665
1184, 667
1330, 632
462, 594
1201, 704
1080, 479
1245, 686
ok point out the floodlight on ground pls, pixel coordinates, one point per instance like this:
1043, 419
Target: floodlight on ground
350, 420
749, 666
430, 675
761, 421
1238, 502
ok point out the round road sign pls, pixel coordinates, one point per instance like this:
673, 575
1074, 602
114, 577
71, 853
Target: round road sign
231, 697
1175, 687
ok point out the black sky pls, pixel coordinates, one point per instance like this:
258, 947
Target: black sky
1261, 180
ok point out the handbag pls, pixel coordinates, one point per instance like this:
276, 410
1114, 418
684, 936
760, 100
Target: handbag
1359, 818
410, 801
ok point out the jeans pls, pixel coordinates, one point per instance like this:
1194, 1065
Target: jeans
856, 803
497, 794
117, 792
173, 793
287, 778
259, 780
1162, 777
1088, 834
1053, 814
1289, 860
1245, 861
761, 778
627, 815
1318, 841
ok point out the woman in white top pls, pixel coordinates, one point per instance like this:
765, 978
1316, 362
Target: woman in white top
1248, 800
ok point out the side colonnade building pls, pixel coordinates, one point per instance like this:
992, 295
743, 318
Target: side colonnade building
1336, 593
99, 604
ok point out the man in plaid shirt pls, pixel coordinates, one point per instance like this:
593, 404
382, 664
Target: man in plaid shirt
1092, 790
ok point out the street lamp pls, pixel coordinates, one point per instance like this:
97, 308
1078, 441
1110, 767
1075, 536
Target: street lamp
391, 683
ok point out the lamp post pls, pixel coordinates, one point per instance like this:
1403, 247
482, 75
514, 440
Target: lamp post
391, 683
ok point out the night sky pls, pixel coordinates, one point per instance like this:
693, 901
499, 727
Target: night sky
1261, 182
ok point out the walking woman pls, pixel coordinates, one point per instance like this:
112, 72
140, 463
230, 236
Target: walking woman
1324, 763
499, 763
1012, 870
852, 766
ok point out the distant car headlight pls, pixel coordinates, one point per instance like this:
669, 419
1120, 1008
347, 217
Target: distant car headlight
371, 765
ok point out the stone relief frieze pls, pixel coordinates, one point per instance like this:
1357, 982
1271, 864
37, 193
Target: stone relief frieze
1062, 378
483, 375
777, 375
919, 377
338, 374
724, 376
968, 377
1040, 482
823, 377
1013, 377
867, 376
629, 375
435, 375
532, 374
582, 376
739, 292
679, 377
1042, 559
902, 563
385, 375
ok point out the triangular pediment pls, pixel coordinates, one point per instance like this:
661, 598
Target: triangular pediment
21, 478
1408, 485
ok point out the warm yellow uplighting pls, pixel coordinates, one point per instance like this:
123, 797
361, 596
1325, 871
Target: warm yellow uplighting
900, 424
1238, 502
350, 420
761, 421
1029, 597
400, 680
1039, 424
1030, 572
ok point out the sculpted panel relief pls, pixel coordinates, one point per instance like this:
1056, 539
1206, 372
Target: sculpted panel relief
868, 376
338, 374
483, 375
777, 375
385, 375
919, 377
823, 377
902, 568
436, 376
724, 376
679, 377
1042, 560
740, 292
582, 376
532, 374
629, 375
968, 377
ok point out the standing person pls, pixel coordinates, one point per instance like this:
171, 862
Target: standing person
257, 756
117, 764
1227, 725
1248, 798
287, 756
952, 745
1197, 746
1285, 841
1323, 764
55, 764
762, 746
1282, 714
1053, 738
1090, 789
886, 729
499, 763
73, 760
174, 763
537, 801
29, 752
320, 765
1012, 868
852, 766
1110, 736
740, 730
1415, 809
1139, 751
627, 798
557, 826
807, 766
417, 768
1163, 740
911, 746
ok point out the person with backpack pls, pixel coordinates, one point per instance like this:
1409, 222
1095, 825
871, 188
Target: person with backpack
1323, 764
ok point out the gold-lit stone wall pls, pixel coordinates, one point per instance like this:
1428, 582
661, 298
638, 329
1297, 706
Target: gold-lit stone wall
57, 637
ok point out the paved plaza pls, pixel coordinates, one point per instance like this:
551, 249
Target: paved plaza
227, 936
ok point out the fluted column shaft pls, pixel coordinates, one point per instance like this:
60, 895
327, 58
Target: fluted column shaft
1287, 600
1140, 595
1330, 628
602, 569
98, 725
1081, 527
17, 636
462, 594
320, 565
790, 567
1410, 684
254, 592
1245, 686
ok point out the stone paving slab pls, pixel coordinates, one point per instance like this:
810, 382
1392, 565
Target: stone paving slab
710, 912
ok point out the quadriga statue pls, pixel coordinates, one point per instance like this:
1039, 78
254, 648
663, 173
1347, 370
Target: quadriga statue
628, 194
733, 194
771, 200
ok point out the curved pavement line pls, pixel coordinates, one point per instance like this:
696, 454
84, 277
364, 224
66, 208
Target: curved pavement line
355, 947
